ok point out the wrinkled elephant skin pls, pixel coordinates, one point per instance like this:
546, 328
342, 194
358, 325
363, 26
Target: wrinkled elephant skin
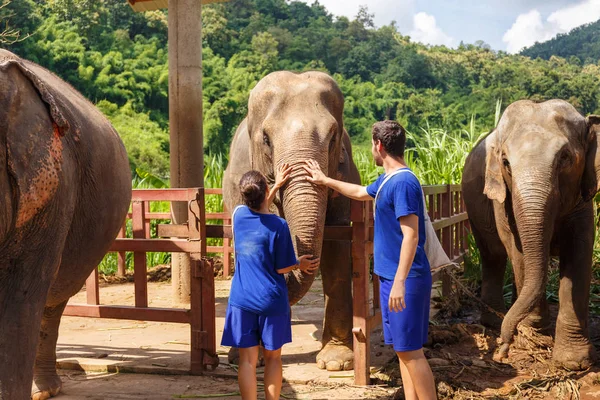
65, 191
528, 188
292, 118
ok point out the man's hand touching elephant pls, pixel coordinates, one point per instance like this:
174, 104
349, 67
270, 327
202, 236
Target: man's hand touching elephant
315, 175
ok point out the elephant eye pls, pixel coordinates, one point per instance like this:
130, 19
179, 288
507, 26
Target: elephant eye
506, 165
332, 144
266, 139
565, 160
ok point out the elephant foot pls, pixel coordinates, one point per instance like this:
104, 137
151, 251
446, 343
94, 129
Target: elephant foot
540, 323
45, 386
502, 353
336, 357
491, 320
233, 357
573, 357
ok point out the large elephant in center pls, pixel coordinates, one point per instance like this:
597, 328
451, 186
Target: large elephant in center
65, 185
528, 188
293, 118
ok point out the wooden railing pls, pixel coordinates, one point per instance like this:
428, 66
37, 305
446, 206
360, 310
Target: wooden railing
445, 207
184, 238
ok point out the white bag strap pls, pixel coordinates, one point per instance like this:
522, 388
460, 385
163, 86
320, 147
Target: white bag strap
232, 231
387, 178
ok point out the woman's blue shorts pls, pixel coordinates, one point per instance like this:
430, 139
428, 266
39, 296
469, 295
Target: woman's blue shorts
406, 330
247, 329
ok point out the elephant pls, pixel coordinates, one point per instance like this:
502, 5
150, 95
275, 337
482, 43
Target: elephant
66, 189
528, 188
292, 118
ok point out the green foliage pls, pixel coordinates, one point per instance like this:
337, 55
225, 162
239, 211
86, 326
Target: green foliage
146, 142
581, 45
112, 54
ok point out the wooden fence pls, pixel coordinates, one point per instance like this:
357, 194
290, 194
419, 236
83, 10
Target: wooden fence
445, 207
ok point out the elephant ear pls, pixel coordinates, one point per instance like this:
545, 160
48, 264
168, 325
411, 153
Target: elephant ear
494, 188
590, 182
34, 130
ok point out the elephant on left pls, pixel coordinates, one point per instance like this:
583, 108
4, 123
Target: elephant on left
65, 187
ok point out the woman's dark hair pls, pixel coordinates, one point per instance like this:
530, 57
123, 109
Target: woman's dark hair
392, 136
253, 187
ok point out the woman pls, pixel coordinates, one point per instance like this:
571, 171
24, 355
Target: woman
258, 312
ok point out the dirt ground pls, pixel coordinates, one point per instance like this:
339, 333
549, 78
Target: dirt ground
97, 352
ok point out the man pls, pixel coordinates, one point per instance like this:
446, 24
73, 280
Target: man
400, 260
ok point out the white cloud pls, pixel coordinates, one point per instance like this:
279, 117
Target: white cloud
425, 30
385, 10
530, 28
568, 18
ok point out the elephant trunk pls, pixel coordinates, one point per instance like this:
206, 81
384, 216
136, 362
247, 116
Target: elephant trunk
304, 206
533, 207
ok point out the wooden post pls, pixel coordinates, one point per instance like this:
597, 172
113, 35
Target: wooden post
139, 258
203, 314
360, 298
226, 252
185, 120
446, 211
91, 288
121, 255
147, 221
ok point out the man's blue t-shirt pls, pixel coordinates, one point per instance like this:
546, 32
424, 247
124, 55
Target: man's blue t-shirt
263, 245
400, 196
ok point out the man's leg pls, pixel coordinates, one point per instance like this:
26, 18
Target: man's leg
247, 372
407, 384
273, 374
420, 373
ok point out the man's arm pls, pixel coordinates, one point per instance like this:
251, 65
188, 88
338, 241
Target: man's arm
351, 190
410, 230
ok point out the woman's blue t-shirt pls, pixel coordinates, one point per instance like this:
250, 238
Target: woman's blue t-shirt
400, 196
263, 245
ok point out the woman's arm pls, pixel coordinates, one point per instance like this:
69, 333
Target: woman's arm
283, 174
304, 264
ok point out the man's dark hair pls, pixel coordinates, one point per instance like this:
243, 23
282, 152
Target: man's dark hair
253, 187
392, 136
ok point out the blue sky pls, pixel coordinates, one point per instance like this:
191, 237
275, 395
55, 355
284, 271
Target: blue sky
507, 25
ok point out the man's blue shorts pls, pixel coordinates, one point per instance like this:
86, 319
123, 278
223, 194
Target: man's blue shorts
406, 330
247, 329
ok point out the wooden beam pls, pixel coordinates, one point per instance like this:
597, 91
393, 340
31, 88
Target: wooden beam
124, 312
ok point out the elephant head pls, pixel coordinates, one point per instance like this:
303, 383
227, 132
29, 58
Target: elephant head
32, 125
293, 118
541, 162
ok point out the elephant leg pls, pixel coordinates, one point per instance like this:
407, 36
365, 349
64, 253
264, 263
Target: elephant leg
572, 347
336, 273
493, 265
46, 382
22, 300
539, 317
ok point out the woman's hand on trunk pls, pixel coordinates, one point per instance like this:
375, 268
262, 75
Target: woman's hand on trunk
283, 175
306, 265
